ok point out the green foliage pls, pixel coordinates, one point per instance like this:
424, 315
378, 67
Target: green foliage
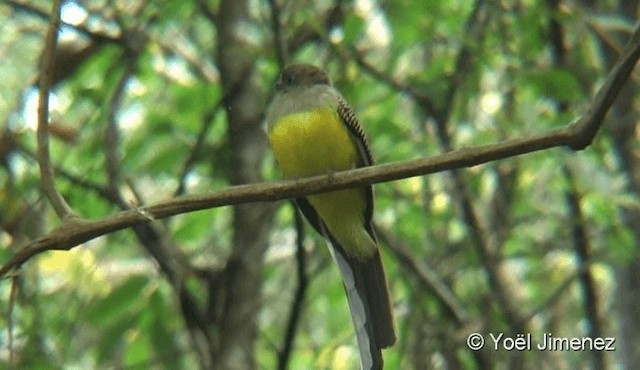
424, 78
559, 85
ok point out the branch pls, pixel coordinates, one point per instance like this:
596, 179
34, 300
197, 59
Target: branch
586, 280
80, 28
310, 34
558, 292
475, 27
112, 132
44, 159
427, 278
187, 166
284, 354
279, 45
74, 233
11, 304
576, 135
421, 97
587, 128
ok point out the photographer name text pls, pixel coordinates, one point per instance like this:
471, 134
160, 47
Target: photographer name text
525, 342
548, 342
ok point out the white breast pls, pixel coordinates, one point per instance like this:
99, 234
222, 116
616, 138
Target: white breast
301, 99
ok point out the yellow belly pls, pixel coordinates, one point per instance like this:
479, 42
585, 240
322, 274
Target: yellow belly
312, 143
316, 143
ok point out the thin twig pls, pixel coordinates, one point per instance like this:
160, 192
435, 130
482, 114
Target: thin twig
80, 28
299, 297
44, 159
422, 98
582, 250
475, 31
428, 278
11, 305
67, 175
207, 122
278, 41
207, 12
310, 33
112, 134
559, 292
605, 96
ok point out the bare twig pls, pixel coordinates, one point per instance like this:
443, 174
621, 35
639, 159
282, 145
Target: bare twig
207, 12
67, 175
475, 31
558, 292
68, 236
44, 159
278, 40
45, 16
585, 278
112, 134
299, 297
428, 278
207, 122
11, 305
332, 17
421, 97
585, 130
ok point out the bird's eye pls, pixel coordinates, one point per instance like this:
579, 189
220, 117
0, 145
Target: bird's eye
290, 79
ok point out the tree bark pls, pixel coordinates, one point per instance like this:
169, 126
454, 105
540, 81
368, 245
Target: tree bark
251, 222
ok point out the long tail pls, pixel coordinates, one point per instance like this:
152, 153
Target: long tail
366, 286
368, 296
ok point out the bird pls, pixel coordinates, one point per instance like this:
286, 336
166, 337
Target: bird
313, 131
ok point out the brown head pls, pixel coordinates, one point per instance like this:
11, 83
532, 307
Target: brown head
301, 75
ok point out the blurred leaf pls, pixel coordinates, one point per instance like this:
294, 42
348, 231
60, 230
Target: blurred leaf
353, 28
556, 84
114, 337
161, 334
621, 245
121, 303
138, 351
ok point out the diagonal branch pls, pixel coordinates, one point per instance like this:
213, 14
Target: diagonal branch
187, 166
97, 36
44, 159
585, 130
427, 278
576, 135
